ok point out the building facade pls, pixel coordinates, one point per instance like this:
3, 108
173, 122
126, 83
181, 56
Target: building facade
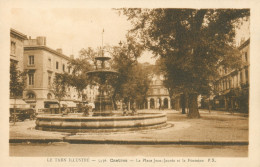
16, 48
232, 87
16, 57
42, 63
158, 95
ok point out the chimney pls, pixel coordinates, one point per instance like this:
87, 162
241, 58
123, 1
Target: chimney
41, 41
59, 50
72, 56
30, 37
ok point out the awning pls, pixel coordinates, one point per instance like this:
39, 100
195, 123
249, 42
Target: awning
71, 104
51, 101
51, 104
68, 103
63, 103
18, 103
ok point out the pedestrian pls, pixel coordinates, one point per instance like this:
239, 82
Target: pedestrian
134, 108
124, 109
85, 110
65, 110
91, 107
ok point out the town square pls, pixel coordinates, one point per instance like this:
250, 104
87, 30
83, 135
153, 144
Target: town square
130, 85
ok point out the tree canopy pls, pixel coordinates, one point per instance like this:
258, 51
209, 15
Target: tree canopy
131, 84
17, 81
59, 87
77, 77
190, 43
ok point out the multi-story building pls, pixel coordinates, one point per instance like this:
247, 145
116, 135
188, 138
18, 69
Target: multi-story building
16, 48
16, 56
232, 87
42, 63
158, 95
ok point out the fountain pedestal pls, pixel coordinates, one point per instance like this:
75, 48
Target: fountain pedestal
103, 105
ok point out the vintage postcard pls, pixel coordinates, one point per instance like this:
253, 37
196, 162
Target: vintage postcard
137, 83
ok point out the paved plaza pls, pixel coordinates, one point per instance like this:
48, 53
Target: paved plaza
214, 128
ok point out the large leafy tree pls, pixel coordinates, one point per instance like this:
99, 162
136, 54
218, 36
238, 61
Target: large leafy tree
78, 77
17, 81
142, 82
59, 87
191, 44
132, 81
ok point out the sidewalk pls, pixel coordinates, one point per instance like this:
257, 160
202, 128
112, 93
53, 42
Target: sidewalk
215, 128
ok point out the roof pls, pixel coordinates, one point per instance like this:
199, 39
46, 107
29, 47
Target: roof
18, 34
244, 44
41, 47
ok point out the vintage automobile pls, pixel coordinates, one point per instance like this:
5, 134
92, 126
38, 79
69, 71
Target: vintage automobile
21, 114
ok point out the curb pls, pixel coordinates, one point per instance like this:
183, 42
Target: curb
34, 140
155, 142
135, 142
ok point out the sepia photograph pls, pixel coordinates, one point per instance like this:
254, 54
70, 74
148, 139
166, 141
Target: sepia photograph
133, 86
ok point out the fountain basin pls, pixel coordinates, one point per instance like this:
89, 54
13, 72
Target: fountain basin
78, 123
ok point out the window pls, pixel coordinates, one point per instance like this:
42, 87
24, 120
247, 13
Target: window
30, 95
247, 78
13, 48
57, 65
241, 79
31, 79
49, 62
49, 80
31, 60
63, 67
246, 56
69, 69
49, 96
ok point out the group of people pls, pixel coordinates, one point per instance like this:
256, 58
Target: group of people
133, 109
65, 110
87, 109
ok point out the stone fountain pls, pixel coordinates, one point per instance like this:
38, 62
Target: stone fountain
103, 103
103, 118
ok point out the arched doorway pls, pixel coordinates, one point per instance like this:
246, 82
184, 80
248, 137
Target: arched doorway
31, 96
31, 99
165, 103
152, 103
49, 96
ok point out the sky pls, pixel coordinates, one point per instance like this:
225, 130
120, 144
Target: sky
75, 28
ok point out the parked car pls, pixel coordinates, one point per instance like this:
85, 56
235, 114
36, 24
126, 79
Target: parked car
22, 114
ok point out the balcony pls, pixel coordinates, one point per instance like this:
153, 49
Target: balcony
31, 67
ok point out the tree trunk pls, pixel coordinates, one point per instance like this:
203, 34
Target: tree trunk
183, 104
59, 107
193, 106
114, 103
